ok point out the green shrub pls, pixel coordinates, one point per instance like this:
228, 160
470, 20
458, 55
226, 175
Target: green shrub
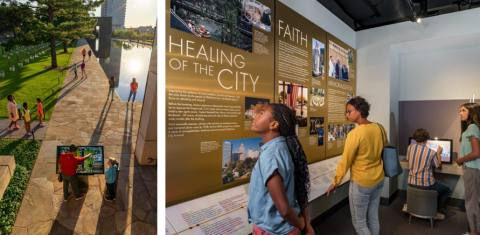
25, 152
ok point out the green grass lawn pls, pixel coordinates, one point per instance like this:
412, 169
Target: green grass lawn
32, 81
25, 152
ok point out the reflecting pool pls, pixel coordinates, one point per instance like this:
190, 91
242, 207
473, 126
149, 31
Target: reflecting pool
125, 61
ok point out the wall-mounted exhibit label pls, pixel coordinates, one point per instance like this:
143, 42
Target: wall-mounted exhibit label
321, 176
220, 213
300, 77
341, 87
219, 75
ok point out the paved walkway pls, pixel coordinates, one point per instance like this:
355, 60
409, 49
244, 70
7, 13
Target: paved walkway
84, 116
21, 133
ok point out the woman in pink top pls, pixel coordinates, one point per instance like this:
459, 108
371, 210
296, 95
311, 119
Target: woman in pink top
12, 112
83, 69
133, 90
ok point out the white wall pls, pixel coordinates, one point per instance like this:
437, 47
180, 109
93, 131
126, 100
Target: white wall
321, 16
374, 54
443, 74
433, 60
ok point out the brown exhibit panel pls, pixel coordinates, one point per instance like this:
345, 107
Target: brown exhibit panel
439, 117
219, 74
340, 66
300, 77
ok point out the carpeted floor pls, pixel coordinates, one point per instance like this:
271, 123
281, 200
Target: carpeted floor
394, 221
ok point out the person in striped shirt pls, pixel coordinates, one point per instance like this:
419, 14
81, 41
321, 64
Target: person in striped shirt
421, 159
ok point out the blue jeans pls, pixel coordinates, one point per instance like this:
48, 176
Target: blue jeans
111, 90
134, 93
364, 202
443, 192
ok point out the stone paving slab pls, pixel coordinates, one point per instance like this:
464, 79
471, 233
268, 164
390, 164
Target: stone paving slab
21, 133
84, 116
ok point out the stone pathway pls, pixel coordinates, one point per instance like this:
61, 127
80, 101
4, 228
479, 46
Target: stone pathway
84, 116
21, 133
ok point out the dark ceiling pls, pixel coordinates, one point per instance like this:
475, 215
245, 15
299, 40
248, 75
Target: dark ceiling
366, 14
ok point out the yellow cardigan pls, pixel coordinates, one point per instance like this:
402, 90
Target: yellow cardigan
362, 155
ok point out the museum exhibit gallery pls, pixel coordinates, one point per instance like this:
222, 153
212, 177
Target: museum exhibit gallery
414, 61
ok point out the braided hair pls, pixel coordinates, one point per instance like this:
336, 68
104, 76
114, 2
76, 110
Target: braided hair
287, 120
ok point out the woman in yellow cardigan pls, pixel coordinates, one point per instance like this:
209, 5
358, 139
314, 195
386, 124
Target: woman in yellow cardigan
362, 156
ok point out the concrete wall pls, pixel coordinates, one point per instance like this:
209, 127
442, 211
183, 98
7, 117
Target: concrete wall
319, 15
146, 146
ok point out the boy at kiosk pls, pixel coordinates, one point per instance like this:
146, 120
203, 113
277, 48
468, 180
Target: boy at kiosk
421, 159
67, 166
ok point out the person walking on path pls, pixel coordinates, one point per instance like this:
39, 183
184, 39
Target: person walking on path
75, 70
111, 82
26, 118
67, 166
40, 112
12, 112
83, 69
133, 90
89, 54
84, 52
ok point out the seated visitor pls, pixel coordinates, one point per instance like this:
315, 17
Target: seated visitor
421, 159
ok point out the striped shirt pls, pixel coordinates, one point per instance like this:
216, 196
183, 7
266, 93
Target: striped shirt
420, 159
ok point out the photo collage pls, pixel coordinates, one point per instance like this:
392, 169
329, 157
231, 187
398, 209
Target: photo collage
227, 22
253, 106
339, 131
317, 128
295, 96
239, 157
339, 62
318, 59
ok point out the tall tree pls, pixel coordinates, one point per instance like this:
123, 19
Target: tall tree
61, 20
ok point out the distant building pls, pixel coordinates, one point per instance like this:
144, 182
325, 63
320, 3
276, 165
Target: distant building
241, 149
236, 157
116, 9
227, 152
253, 153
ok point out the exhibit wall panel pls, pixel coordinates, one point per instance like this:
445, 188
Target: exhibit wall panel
300, 77
219, 74
341, 87
324, 18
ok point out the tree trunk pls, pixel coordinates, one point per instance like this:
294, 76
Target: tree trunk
53, 47
65, 47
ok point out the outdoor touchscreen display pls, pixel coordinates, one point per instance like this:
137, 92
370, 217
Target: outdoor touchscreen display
91, 165
433, 144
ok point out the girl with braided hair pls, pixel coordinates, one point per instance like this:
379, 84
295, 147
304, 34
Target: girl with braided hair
280, 183
362, 156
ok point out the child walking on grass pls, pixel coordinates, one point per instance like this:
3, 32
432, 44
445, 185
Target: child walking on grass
110, 177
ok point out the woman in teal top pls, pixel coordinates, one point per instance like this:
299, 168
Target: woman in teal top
470, 162
280, 183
